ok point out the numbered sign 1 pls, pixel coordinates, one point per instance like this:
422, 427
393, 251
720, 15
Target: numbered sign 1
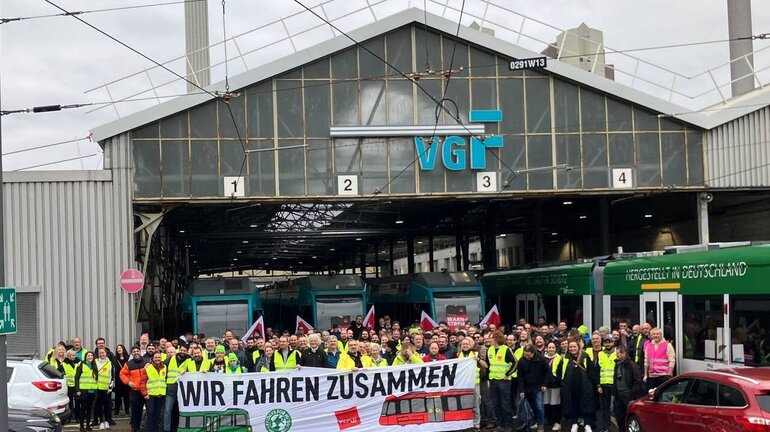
622, 178
235, 187
486, 181
347, 185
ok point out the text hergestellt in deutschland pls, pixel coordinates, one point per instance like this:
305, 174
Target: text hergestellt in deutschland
695, 271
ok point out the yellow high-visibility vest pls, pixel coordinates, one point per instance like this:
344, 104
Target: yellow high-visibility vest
156, 380
498, 367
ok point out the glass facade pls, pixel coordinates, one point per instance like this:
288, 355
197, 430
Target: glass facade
285, 121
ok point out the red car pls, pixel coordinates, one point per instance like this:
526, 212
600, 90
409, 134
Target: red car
725, 400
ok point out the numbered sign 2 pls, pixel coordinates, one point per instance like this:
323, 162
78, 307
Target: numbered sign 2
486, 181
622, 178
235, 187
347, 185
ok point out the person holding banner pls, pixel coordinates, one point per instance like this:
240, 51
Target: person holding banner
466, 350
332, 352
234, 365
353, 359
502, 365
153, 388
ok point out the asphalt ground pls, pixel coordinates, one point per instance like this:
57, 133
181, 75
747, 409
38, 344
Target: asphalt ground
123, 426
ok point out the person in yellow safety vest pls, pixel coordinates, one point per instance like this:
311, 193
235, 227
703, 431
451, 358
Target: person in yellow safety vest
233, 365
375, 356
502, 365
176, 365
153, 388
606, 362
286, 358
68, 368
467, 350
266, 363
198, 362
407, 355
353, 359
86, 376
58, 356
659, 360
104, 385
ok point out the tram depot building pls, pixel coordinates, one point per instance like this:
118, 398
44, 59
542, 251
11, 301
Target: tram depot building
330, 166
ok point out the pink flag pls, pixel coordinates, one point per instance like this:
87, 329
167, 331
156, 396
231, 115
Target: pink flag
492, 317
258, 327
426, 322
303, 325
369, 319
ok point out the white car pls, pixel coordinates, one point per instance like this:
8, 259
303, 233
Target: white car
36, 384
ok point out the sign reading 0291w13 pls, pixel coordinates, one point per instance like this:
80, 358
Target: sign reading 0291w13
528, 63
8, 313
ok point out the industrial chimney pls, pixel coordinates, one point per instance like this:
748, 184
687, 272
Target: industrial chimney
196, 19
739, 26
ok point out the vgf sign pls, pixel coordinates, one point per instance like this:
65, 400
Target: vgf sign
454, 150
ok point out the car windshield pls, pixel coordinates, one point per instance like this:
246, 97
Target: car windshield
764, 402
50, 371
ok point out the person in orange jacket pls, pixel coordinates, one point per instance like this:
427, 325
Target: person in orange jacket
131, 375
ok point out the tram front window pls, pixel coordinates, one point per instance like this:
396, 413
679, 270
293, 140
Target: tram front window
455, 309
337, 310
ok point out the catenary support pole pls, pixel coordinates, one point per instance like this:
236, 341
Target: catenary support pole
3, 348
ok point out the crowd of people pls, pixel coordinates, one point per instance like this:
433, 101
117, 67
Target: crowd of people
547, 375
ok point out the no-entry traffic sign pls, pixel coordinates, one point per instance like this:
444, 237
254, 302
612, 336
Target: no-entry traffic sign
132, 281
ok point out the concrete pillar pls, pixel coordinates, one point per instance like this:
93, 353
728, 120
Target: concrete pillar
539, 249
196, 17
458, 252
410, 255
703, 200
739, 26
391, 266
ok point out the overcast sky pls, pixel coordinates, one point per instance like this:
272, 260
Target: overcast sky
56, 60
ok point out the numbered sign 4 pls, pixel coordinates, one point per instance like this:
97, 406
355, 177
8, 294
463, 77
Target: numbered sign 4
347, 185
486, 181
622, 178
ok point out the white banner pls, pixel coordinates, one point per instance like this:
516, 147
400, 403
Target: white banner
436, 396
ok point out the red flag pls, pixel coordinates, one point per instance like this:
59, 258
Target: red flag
426, 322
258, 327
304, 325
369, 319
492, 317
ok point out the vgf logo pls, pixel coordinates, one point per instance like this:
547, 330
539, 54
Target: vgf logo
453, 150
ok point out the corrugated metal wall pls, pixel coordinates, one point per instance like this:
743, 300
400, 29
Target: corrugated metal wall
69, 235
738, 152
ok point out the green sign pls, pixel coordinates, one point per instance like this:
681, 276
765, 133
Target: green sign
572, 279
278, 420
735, 270
8, 312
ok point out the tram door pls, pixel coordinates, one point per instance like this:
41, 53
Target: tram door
659, 309
527, 306
435, 409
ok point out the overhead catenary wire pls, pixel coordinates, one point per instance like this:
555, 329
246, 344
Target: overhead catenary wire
84, 12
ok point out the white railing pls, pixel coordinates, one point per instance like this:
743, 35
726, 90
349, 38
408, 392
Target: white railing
300, 30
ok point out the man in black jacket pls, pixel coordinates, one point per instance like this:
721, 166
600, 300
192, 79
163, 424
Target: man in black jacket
314, 356
628, 385
532, 372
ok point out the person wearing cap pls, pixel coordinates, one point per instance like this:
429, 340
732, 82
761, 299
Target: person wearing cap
234, 365
391, 351
606, 364
220, 362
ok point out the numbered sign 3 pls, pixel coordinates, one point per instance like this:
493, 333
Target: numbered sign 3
486, 181
622, 178
347, 185
235, 187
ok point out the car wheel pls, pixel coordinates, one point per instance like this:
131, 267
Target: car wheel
634, 425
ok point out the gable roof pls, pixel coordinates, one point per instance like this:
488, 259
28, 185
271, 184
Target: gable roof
705, 120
